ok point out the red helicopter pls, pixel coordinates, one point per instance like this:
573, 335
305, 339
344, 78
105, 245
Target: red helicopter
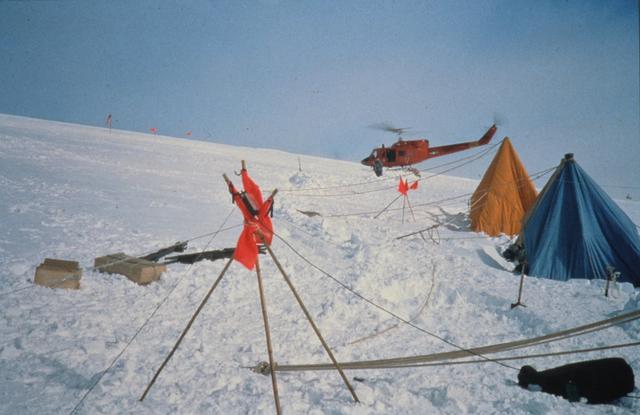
405, 153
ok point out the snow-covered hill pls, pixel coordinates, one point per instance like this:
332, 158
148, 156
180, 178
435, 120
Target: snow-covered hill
78, 192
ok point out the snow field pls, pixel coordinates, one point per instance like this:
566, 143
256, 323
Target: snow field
77, 192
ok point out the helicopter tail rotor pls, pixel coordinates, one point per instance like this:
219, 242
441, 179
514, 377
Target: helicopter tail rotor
499, 120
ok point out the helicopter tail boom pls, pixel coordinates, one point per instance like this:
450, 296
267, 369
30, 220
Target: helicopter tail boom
454, 148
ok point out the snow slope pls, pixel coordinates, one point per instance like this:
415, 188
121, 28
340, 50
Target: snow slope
77, 192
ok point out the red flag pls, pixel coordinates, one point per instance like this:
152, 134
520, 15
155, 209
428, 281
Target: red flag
256, 219
403, 187
188, 133
153, 130
255, 197
246, 251
252, 189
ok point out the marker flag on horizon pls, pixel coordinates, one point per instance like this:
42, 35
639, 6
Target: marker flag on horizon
188, 133
153, 130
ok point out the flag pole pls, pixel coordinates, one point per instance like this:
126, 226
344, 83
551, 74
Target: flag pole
518, 302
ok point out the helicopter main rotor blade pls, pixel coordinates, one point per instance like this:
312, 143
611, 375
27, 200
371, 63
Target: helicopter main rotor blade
385, 126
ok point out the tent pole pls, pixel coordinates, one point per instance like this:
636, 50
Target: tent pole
265, 319
186, 329
310, 319
517, 303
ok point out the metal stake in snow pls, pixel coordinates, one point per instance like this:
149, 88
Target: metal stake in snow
518, 302
612, 275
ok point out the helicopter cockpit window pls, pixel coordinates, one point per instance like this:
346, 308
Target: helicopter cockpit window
391, 155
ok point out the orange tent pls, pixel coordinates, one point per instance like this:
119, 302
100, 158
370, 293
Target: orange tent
504, 195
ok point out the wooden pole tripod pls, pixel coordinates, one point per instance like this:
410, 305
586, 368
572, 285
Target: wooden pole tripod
267, 332
407, 202
311, 322
186, 329
265, 319
386, 207
612, 276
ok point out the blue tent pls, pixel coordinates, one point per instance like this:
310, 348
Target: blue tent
575, 230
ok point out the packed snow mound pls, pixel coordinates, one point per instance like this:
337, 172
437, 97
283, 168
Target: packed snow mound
79, 192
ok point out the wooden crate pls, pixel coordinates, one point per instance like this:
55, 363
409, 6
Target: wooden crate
58, 273
137, 270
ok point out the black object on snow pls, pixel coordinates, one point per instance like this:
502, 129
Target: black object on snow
208, 255
156, 256
599, 381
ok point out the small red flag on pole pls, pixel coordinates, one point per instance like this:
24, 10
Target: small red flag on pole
153, 130
108, 122
404, 186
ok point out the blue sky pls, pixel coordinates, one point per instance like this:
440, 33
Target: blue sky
310, 76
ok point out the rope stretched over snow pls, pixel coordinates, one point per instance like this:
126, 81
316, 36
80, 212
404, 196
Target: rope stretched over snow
458, 354
370, 212
391, 313
160, 304
16, 290
413, 319
535, 176
474, 205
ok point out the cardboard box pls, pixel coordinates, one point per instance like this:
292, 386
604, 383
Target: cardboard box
58, 273
137, 270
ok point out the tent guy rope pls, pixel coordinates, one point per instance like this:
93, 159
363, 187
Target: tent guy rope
385, 310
